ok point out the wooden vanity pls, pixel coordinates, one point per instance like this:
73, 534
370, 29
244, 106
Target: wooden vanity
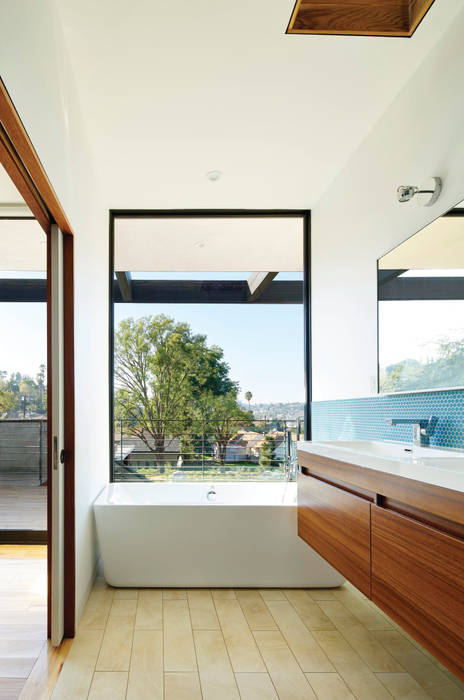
398, 540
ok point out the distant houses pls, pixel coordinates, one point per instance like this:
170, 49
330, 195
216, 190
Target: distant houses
246, 446
133, 453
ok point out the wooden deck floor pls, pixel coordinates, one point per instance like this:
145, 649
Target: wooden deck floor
23, 507
23, 614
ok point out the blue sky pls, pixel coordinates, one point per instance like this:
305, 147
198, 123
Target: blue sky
263, 344
24, 337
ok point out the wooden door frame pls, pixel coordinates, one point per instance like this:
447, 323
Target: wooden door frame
21, 162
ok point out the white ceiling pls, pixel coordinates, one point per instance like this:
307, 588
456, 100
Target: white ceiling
8, 192
172, 90
440, 245
201, 245
23, 245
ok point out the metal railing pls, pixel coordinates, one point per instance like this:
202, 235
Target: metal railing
23, 451
206, 449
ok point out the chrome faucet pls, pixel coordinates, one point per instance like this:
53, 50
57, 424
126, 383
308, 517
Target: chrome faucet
422, 428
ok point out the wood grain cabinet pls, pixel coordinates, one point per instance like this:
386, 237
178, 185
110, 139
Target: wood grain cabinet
399, 541
336, 524
418, 579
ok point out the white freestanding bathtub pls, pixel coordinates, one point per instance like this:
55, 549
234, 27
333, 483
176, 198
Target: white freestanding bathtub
171, 535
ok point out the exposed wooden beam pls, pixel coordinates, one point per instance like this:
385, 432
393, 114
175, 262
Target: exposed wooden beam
125, 285
27, 290
209, 292
167, 292
385, 276
257, 283
422, 288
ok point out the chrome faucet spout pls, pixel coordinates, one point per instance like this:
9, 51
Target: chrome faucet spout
422, 428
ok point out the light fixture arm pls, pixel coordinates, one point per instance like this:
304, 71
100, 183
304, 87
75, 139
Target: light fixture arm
427, 194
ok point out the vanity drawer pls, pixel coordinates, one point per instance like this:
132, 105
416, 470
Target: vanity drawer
418, 579
336, 524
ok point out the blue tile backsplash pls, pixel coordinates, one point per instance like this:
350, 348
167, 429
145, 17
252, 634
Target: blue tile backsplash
364, 419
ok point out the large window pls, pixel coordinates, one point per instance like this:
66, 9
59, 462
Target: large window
208, 345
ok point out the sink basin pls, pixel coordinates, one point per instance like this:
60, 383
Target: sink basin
431, 457
432, 465
393, 450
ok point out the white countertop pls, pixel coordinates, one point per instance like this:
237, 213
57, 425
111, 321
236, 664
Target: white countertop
435, 466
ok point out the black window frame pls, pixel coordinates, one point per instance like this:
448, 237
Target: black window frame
304, 214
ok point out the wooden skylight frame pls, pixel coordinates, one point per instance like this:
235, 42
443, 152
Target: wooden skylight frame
396, 18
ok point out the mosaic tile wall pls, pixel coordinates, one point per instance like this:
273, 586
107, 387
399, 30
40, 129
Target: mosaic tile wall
364, 419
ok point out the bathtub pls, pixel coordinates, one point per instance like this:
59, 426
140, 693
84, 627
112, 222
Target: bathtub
171, 535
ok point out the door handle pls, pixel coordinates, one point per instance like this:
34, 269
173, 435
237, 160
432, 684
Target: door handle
55, 452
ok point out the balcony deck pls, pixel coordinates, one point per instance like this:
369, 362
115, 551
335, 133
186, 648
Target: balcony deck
23, 507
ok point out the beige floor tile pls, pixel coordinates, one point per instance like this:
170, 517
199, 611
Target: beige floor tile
223, 593
76, 675
255, 610
308, 610
179, 652
149, 614
123, 608
255, 686
174, 594
272, 594
96, 611
94, 618
357, 675
182, 686
403, 686
126, 593
419, 666
240, 642
362, 608
117, 644
287, 677
329, 686
98, 596
321, 593
361, 639
216, 676
108, 686
301, 641
202, 610
100, 584
146, 668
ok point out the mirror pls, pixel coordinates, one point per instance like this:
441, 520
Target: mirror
421, 309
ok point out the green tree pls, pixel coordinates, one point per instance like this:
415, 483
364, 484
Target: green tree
248, 397
162, 370
446, 369
41, 383
7, 401
223, 417
267, 455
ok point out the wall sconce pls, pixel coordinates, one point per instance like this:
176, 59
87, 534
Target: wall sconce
427, 194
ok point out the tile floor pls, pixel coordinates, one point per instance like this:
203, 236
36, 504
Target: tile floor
250, 644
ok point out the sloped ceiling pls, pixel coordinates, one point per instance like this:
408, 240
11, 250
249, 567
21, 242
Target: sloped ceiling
171, 91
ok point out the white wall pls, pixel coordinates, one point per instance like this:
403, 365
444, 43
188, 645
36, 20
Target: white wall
35, 69
358, 219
